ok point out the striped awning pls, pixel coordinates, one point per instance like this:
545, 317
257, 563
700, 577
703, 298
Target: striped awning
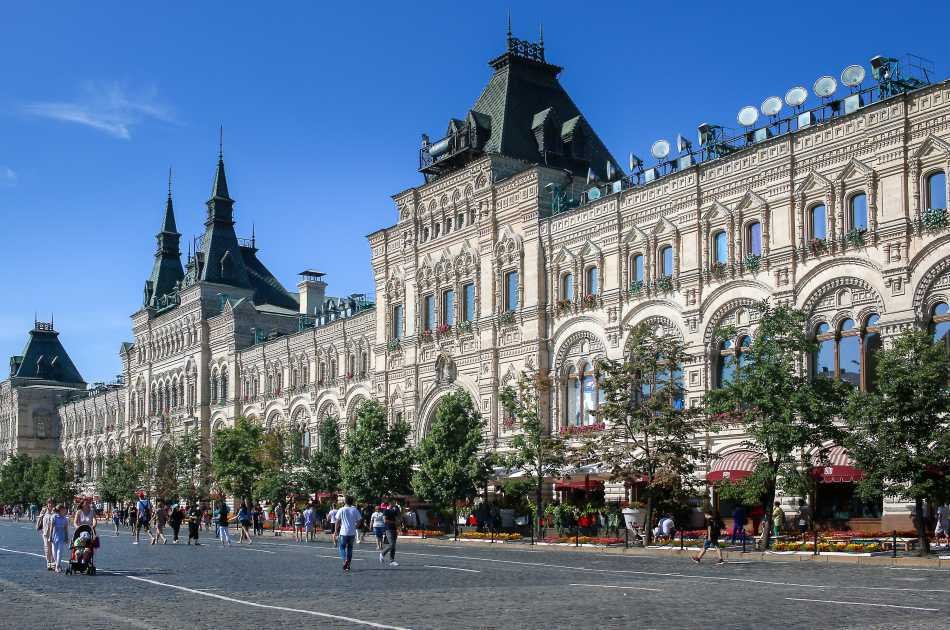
840, 468
733, 466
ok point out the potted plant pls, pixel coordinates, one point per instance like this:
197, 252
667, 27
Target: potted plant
563, 306
443, 330
636, 287
590, 300
817, 246
634, 515
856, 237
392, 346
507, 318
934, 219
752, 262
664, 284
464, 327
426, 335
717, 270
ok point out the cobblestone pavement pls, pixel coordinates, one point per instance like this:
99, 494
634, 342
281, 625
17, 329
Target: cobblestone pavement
278, 583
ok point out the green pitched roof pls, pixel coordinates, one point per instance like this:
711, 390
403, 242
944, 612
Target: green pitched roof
45, 358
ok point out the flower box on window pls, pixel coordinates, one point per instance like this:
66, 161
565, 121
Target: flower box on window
563, 306
464, 327
934, 219
752, 262
664, 284
817, 246
442, 330
636, 288
717, 270
349, 376
392, 346
856, 237
426, 336
590, 300
507, 318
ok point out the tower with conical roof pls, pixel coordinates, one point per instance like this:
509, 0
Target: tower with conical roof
167, 271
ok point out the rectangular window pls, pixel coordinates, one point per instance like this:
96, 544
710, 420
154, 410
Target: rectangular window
428, 312
397, 322
468, 302
593, 281
448, 308
638, 268
511, 291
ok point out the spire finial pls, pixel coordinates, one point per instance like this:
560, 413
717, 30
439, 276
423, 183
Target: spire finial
541, 34
253, 236
221, 142
169, 182
509, 28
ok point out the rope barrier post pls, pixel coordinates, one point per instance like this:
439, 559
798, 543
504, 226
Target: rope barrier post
576, 533
531, 527
816, 542
743, 540
894, 542
682, 546
626, 538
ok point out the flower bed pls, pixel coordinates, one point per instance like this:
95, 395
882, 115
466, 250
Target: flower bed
839, 547
489, 536
429, 533
584, 540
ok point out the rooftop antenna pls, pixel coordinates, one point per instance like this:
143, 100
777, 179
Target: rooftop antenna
253, 237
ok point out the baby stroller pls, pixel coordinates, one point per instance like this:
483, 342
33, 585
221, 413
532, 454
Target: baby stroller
82, 550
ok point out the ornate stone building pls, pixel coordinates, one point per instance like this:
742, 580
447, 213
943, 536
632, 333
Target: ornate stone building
526, 249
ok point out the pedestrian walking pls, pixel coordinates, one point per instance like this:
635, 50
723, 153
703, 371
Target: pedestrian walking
310, 522
778, 519
942, 525
298, 519
279, 522
143, 510
223, 524
257, 517
347, 521
44, 524
175, 517
161, 519
738, 523
195, 512
331, 517
378, 523
713, 530
244, 522
116, 518
804, 518
59, 533
391, 516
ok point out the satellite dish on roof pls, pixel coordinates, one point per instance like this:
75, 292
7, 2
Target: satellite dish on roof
660, 149
853, 75
796, 96
771, 106
594, 193
747, 116
825, 86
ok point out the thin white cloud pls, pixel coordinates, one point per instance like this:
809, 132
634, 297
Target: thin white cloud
107, 106
8, 176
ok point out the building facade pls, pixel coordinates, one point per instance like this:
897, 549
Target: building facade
492, 268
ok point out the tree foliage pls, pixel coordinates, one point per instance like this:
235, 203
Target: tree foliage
236, 458
322, 473
787, 415
534, 449
650, 435
190, 480
898, 433
120, 478
449, 467
282, 460
378, 459
25, 479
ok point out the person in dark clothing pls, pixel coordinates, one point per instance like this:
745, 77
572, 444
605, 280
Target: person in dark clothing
713, 531
738, 523
174, 519
194, 521
391, 516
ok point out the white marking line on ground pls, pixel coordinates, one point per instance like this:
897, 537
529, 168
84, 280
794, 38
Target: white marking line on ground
25, 553
245, 602
435, 566
632, 588
834, 601
916, 569
257, 550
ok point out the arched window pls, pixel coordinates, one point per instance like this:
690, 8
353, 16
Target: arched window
213, 386
582, 395
573, 396
511, 291
824, 357
306, 372
871, 343
818, 223
593, 281
666, 261
940, 324
588, 392
364, 365
858, 212
323, 372
725, 363
636, 268
567, 287
745, 342
849, 352
448, 307
396, 332
720, 248
937, 190
753, 237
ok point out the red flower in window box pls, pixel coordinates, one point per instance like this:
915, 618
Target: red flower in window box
443, 329
590, 299
349, 376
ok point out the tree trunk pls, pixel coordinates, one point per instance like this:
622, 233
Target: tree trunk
648, 520
924, 545
767, 516
538, 509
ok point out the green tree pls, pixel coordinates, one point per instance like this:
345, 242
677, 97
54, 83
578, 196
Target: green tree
378, 459
898, 433
236, 457
189, 470
649, 434
17, 481
534, 450
786, 414
322, 473
120, 478
59, 480
282, 458
449, 467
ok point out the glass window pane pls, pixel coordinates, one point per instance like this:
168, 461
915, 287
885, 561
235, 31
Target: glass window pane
593, 280
721, 247
825, 359
847, 325
638, 268
937, 190
725, 370
872, 320
511, 291
573, 394
468, 296
755, 239
589, 389
429, 313
859, 212
941, 308
822, 328
448, 308
849, 360
818, 222
942, 332
872, 343
567, 287
666, 258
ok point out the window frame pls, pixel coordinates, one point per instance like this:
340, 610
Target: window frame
592, 277
428, 312
565, 277
850, 206
811, 221
510, 293
661, 258
748, 237
928, 189
468, 303
448, 316
714, 246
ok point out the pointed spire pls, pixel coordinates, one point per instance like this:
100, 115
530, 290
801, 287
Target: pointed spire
509, 29
253, 236
220, 188
168, 225
541, 35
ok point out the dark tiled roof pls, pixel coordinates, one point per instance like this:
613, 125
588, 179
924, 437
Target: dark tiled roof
45, 358
221, 259
166, 270
267, 289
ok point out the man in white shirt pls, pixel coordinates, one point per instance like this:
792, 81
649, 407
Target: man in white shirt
664, 529
332, 518
347, 521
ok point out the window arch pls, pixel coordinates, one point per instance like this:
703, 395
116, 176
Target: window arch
731, 356
753, 238
720, 247
937, 190
567, 287
858, 212
582, 394
592, 280
636, 268
871, 343
666, 261
818, 222
847, 352
939, 324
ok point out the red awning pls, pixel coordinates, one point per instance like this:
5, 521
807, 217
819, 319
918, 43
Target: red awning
733, 466
578, 484
840, 468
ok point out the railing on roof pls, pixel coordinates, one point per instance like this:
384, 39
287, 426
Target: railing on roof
463, 140
714, 143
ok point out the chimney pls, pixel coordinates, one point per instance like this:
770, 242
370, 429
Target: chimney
312, 289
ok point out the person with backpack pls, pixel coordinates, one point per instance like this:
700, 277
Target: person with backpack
713, 531
143, 510
391, 517
244, 522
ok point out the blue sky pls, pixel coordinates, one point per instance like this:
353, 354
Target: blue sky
323, 105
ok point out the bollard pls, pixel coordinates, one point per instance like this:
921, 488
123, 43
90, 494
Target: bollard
681, 540
492, 529
576, 544
626, 538
743, 540
816, 542
894, 541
